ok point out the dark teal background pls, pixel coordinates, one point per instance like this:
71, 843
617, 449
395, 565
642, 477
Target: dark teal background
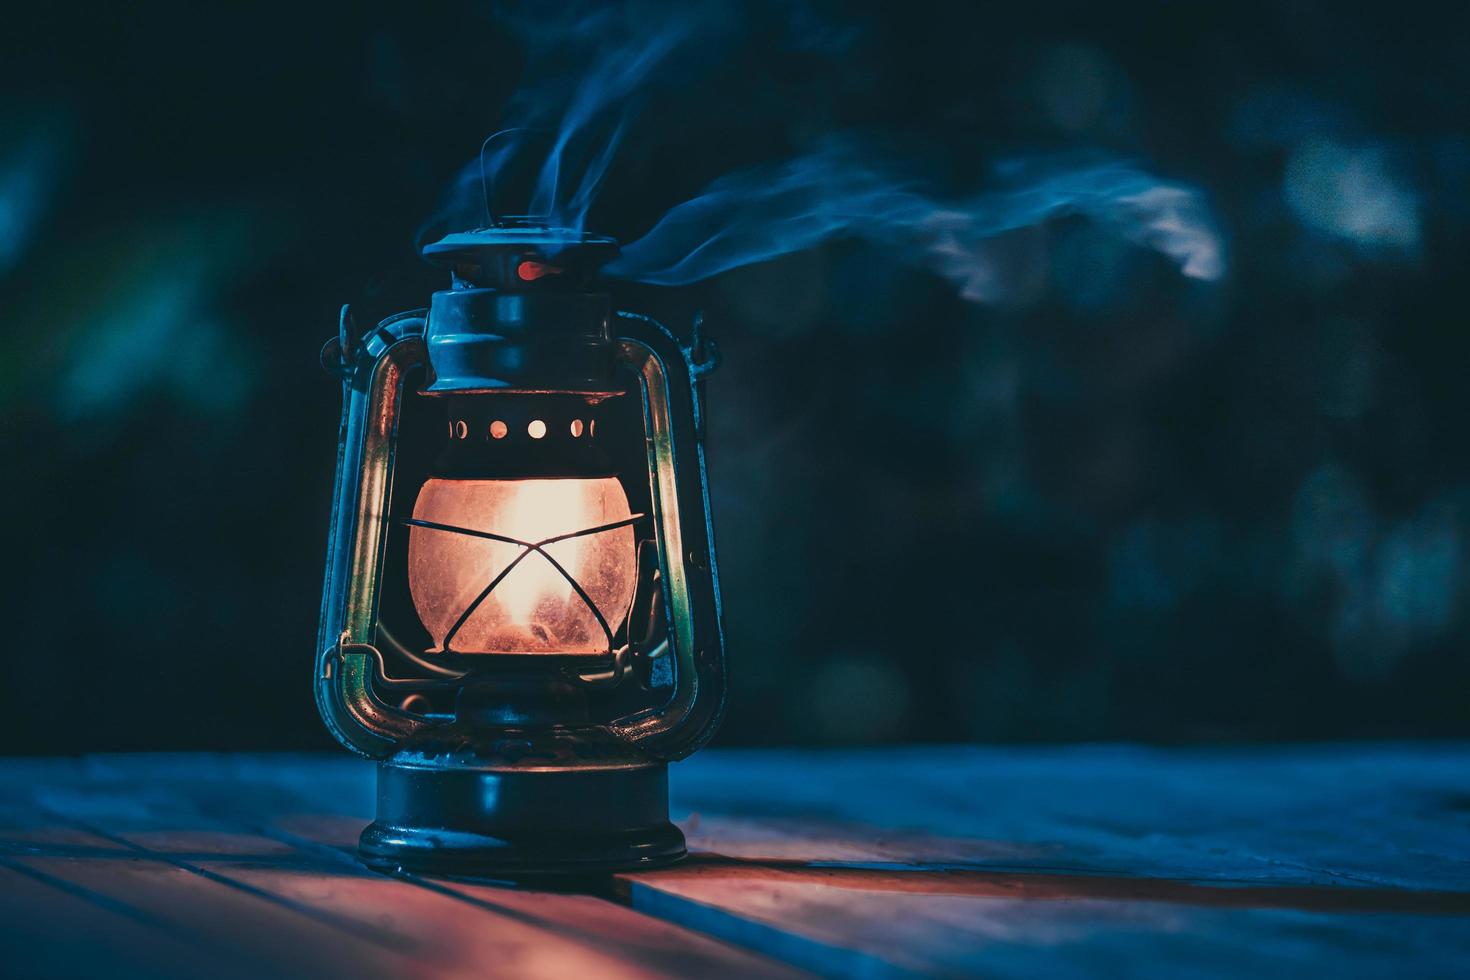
1121, 504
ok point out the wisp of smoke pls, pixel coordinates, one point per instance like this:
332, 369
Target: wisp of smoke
610, 81
770, 211
578, 117
836, 191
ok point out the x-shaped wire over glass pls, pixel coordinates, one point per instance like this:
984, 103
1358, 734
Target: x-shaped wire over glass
527, 548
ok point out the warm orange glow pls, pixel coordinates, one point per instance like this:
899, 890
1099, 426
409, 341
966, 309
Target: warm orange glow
534, 608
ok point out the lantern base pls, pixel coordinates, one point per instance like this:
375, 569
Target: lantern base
518, 823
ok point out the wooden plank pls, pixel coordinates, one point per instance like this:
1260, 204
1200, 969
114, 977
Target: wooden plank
245, 927
1078, 861
658, 947
946, 861
840, 930
668, 949
449, 934
1374, 815
156, 836
1267, 814
329, 917
152, 867
49, 928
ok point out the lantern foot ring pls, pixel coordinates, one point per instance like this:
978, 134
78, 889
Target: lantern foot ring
520, 823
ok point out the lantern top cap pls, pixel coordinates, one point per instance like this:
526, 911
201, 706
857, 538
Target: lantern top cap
520, 254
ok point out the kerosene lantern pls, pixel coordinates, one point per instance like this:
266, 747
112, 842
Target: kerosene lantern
521, 616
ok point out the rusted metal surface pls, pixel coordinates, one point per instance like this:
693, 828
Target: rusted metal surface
1035, 862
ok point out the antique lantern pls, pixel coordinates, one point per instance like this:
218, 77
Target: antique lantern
521, 616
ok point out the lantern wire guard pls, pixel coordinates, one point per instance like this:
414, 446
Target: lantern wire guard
527, 548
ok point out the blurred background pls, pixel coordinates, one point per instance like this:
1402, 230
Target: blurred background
1112, 503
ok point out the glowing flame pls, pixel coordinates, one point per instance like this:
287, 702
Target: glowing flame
536, 510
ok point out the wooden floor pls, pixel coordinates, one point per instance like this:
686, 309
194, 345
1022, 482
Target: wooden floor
1340, 861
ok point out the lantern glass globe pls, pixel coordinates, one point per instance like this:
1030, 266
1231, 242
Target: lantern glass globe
533, 607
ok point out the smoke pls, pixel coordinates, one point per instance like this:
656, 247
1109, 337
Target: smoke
609, 81
589, 72
587, 69
765, 212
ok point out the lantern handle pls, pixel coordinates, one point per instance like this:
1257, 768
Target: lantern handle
487, 184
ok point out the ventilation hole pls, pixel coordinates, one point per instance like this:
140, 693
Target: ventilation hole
537, 429
498, 429
461, 430
576, 428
